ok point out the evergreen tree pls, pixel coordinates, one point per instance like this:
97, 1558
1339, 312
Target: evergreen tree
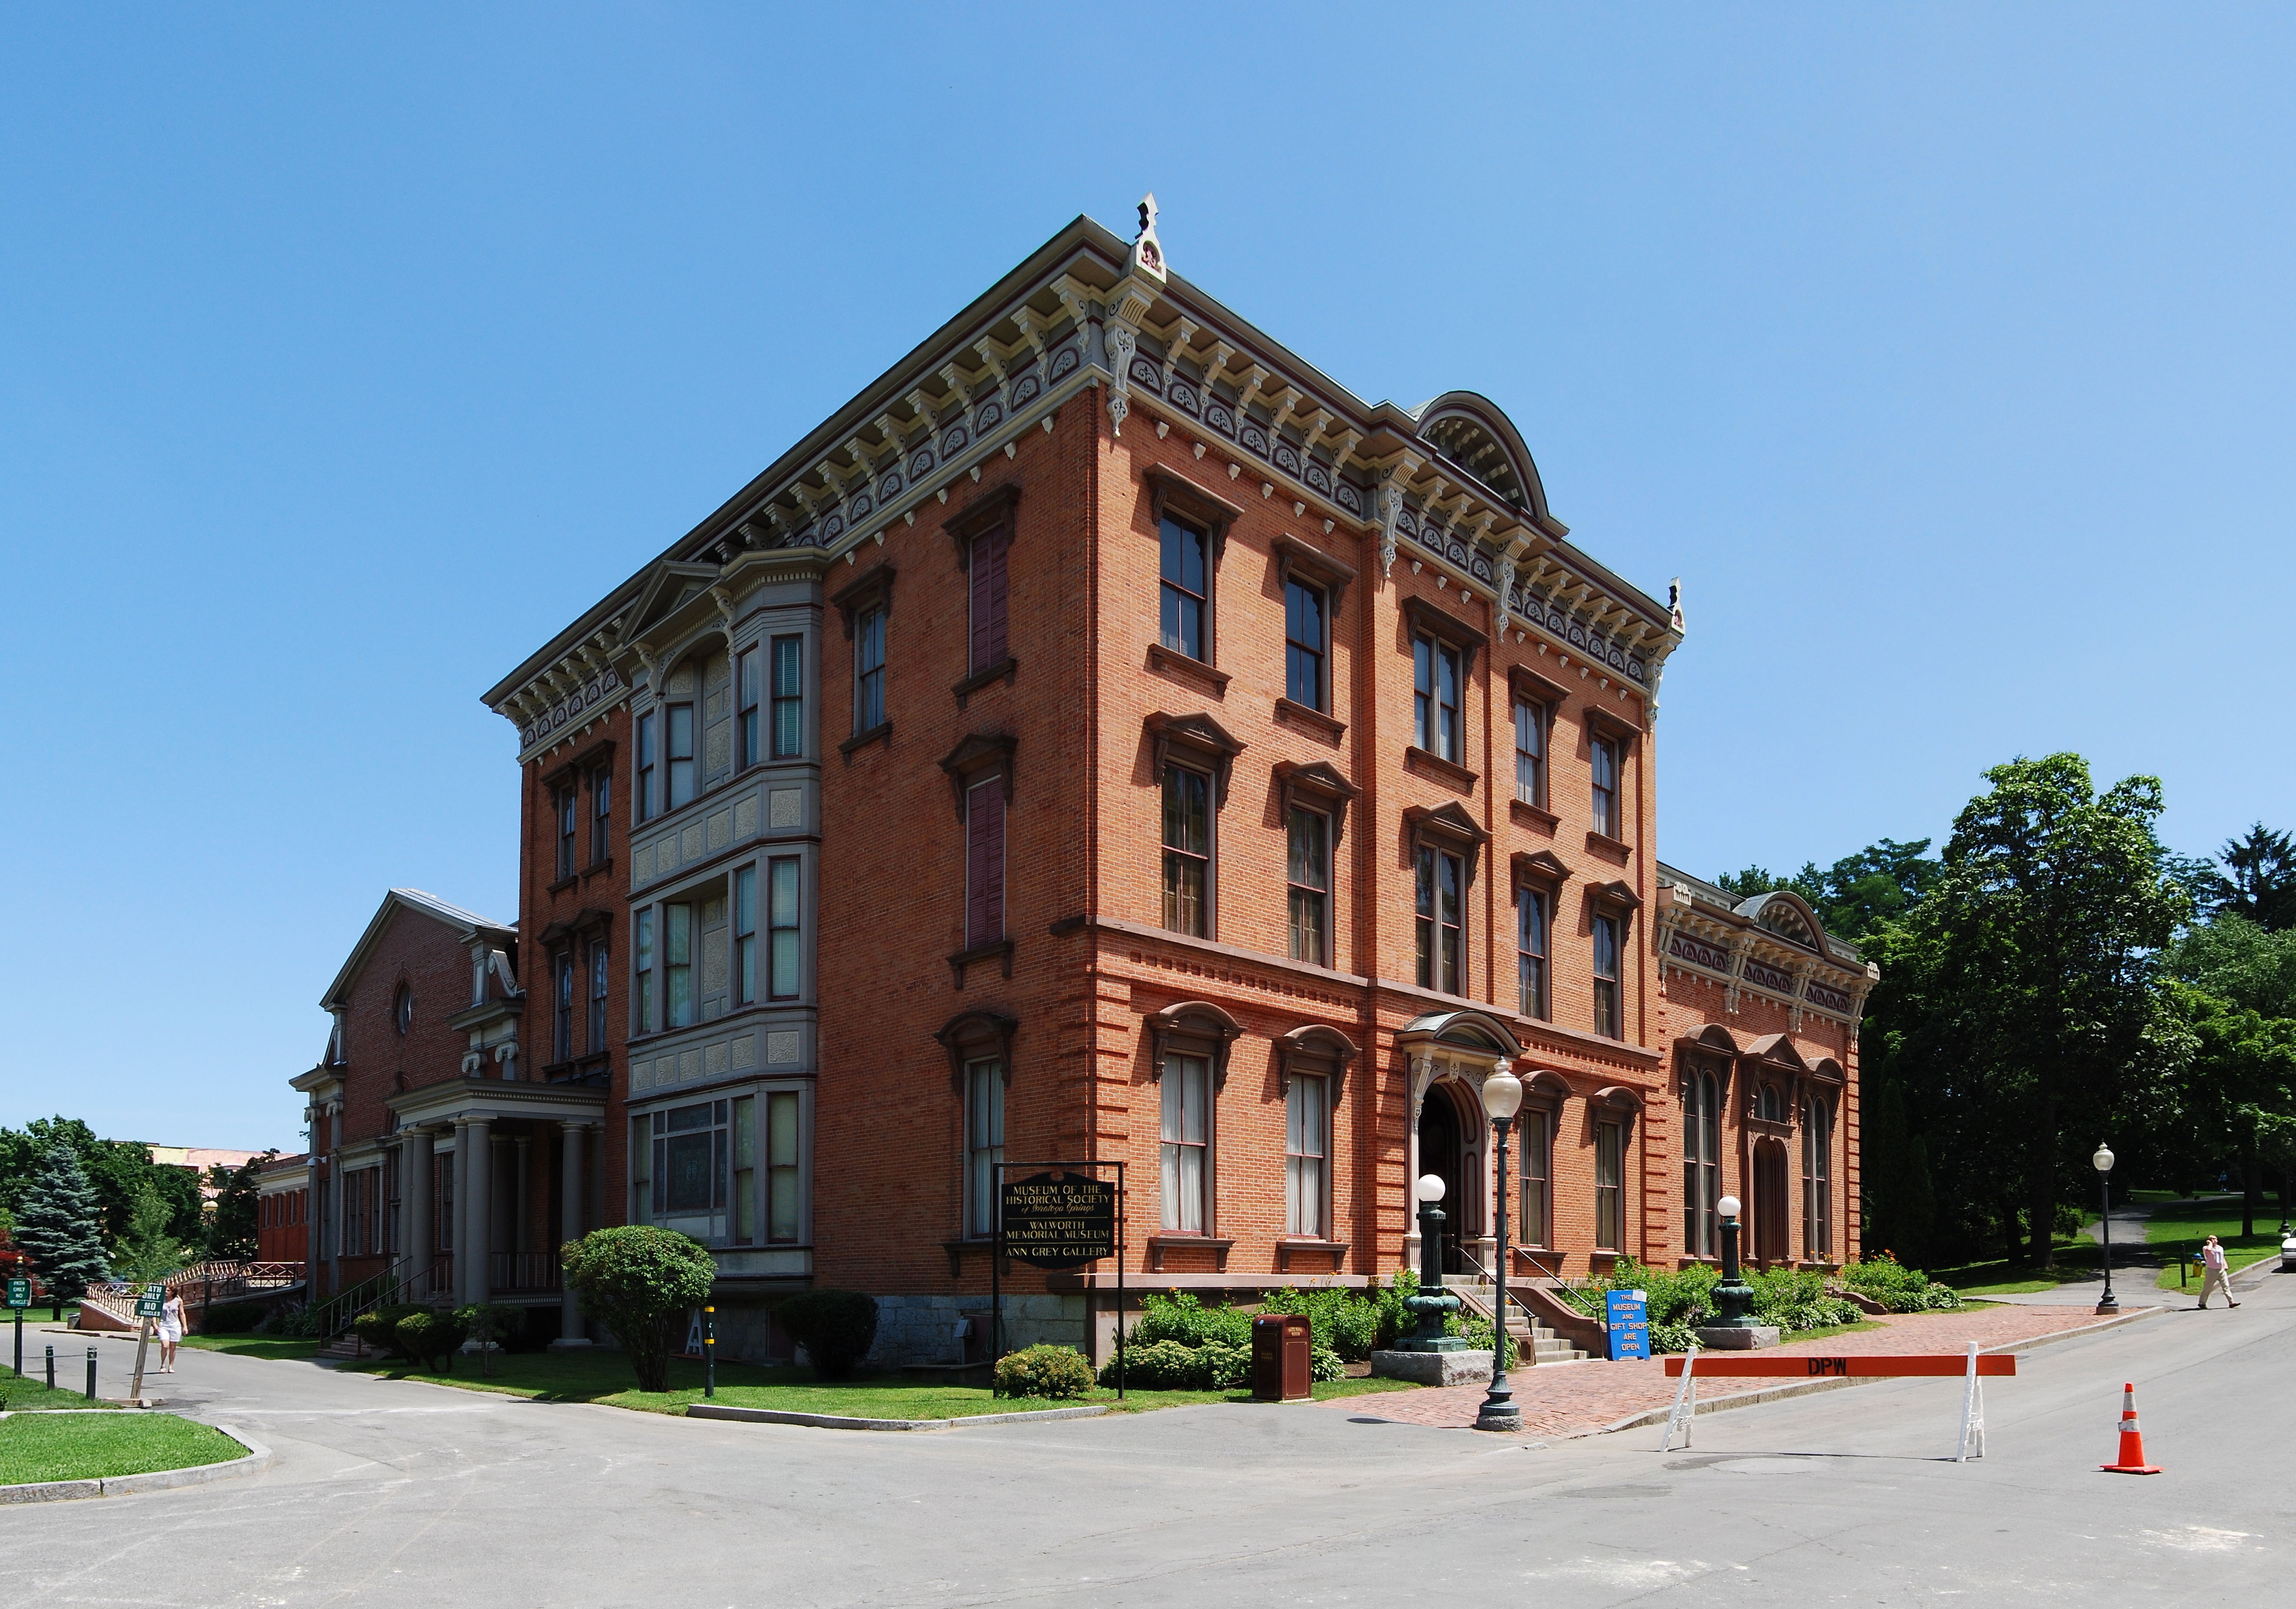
56, 1224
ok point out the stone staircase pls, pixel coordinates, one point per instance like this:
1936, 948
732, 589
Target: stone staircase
1534, 1343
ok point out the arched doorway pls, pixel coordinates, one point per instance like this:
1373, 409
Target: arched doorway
1442, 1154
1449, 1053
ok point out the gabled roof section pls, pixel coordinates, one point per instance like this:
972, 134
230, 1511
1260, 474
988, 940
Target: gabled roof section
467, 925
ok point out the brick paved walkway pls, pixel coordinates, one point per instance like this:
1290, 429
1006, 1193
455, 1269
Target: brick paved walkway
1579, 1399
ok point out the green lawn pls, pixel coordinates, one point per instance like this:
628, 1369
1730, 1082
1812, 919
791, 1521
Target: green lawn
604, 1377
31, 1392
82, 1447
2177, 1228
2069, 1260
253, 1346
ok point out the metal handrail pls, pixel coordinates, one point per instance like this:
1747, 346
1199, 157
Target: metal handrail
334, 1315
1514, 1301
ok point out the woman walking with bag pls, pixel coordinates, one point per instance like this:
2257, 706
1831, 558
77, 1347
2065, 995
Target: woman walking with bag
2214, 1275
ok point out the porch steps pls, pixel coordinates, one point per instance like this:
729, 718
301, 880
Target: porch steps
1534, 1342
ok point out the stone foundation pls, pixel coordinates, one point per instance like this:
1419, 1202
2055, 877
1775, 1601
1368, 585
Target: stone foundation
1432, 1369
1738, 1338
921, 1329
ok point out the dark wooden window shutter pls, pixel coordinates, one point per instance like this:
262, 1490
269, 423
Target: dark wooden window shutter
984, 863
989, 641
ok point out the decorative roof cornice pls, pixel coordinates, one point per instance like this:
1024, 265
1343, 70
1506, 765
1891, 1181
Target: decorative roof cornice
1449, 484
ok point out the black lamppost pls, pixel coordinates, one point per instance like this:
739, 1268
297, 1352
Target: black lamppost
1502, 1098
1430, 1304
2102, 1162
1734, 1296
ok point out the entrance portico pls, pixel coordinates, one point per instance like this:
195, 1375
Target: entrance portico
500, 1210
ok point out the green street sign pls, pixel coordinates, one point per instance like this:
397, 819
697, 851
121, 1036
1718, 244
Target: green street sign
148, 1304
19, 1292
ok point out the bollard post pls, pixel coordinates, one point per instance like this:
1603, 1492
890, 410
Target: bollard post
91, 1374
709, 1351
52, 1368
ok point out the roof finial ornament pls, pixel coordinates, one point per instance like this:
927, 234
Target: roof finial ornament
1147, 250
1674, 603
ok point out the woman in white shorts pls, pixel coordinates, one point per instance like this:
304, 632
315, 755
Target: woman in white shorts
170, 1331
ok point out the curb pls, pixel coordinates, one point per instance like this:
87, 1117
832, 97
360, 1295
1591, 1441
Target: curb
1755, 1399
780, 1416
257, 1456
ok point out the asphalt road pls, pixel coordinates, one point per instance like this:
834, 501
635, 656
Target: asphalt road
393, 1493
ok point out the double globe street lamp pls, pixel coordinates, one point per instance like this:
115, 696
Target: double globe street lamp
1502, 1100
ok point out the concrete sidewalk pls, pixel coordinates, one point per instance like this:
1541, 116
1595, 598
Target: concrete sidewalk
1583, 1399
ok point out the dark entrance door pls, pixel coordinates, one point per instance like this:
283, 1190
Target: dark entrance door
1440, 1154
1770, 1242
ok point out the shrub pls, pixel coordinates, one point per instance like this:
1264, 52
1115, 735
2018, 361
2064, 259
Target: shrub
1158, 1365
1897, 1288
1169, 1366
1477, 1331
299, 1323
640, 1282
378, 1326
1325, 1366
835, 1327
1044, 1371
1188, 1321
1343, 1322
429, 1338
232, 1318
494, 1326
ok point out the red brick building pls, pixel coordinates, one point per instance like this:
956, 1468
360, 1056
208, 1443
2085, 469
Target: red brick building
1106, 737
430, 1138
283, 1210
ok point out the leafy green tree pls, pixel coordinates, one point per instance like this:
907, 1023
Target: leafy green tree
231, 1226
2240, 962
1859, 892
640, 1282
2030, 1000
117, 1169
56, 1224
148, 1251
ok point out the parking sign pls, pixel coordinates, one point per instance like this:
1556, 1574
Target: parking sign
19, 1292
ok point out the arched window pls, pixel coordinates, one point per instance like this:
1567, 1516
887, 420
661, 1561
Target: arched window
1817, 1178
1769, 1105
402, 1008
1701, 1161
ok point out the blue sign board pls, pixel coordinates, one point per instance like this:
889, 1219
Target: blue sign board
1628, 1313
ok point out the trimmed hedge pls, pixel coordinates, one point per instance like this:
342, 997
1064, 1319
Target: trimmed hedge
1169, 1366
1044, 1371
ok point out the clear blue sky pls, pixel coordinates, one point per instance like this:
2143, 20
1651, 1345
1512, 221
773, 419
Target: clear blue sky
1943, 352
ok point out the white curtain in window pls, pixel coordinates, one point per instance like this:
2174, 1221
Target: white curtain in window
1186, 1131
1304, 1155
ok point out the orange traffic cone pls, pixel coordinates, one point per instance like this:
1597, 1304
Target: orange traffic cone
2132, 1440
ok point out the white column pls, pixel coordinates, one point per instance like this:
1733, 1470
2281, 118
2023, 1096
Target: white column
478, 1284
571, 1215
415, 1170
519, 1242
461, 1226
